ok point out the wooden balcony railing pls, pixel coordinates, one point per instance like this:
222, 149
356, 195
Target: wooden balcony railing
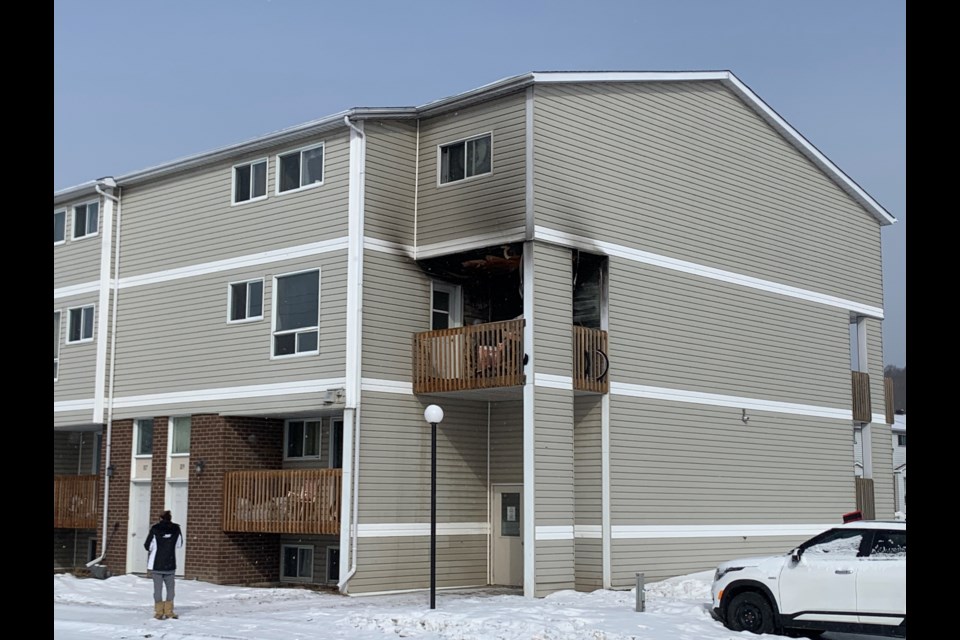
282, 501
590, 362
860, 386
75, 502
888, 399
480, 356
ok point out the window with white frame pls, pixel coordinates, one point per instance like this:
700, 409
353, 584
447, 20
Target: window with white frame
300, 168
85, 219
465, 158
245, 301
296, 313
144, 436
302, 439
80, 324
901, 439
250, 181
59, 226
297, 563
333, 564
56, 344
180, 435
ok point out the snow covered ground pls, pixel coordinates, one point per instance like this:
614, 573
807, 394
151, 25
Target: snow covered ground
122, 607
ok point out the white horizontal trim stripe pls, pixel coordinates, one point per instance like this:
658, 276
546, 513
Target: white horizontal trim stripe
587, 531
637, 255
716, 399
408, 529
265, 257
628, 76
77, 289
631, 532
73, 405
517, 234
552, 381
386, 246
878, 418
231, 393
386, 386
557, 532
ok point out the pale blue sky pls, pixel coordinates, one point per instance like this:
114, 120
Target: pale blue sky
139, 83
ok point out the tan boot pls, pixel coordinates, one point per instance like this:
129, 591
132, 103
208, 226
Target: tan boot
158, 610
168, 609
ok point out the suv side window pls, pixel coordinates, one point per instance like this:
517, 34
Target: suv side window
836, 543
889, 544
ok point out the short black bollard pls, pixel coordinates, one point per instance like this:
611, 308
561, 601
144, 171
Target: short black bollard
641, 594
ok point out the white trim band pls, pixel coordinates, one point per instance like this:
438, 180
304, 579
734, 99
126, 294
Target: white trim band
635, 532
77, 289
231, 393
552, 381
411, 529
556, 532
73, 405
386, 386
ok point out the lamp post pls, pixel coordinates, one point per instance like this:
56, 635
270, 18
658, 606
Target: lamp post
434, 415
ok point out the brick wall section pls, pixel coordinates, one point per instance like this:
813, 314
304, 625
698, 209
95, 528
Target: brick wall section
229, 444
121, 448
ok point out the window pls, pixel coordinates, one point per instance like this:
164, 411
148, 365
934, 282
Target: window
333, 564
59, 227
335, 444
303, 439
901, 439
296, 315
250, 181
144, 435
836, 543
180, 438
246, 301
56, 344
465, 159
85, 219
445, 306
80, 324
297, 563
299, 169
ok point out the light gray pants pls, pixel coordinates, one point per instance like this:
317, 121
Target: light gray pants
161, 578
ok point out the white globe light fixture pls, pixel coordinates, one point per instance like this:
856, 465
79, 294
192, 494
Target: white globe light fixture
433, 414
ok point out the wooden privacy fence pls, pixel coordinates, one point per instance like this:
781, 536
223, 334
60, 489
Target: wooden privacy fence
888, 399
479, 356
590, 362
282, 501
860, 388
75, 502
865, 498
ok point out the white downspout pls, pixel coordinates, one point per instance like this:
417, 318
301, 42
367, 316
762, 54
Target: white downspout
110, 183
351, 413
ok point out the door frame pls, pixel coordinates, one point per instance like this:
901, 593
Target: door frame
502, 487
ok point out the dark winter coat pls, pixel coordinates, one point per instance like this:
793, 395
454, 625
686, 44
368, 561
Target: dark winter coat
162, 542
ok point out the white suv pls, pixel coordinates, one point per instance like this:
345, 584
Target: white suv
851, 578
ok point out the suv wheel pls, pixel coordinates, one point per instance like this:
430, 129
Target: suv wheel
750, 611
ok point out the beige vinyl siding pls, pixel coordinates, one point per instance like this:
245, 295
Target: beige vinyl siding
681, 463
660, 558
553, 309
173, 336
688, 171
394, 478
588, 494
187, 219
76, 376
488, 204
390, 178
506, 442
391, 564
78, 261
883, 485
875, 365
396, 304
680, 331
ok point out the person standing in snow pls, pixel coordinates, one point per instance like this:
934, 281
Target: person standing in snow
162, 543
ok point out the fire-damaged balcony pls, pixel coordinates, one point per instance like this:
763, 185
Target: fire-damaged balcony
303, 501
480, 356
74, 502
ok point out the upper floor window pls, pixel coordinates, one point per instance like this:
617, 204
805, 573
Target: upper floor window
180, 435
465, 158
250, 181
85, 219
296, 313
80, 324
56, 344
303, 439
144, 436
59, 226
445, 309
901, 439
300, 168
246, 301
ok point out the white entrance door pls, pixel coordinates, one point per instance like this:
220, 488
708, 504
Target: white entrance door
138, 526
507, 535
176, 501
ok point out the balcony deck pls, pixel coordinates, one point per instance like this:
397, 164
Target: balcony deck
303, 501
74, 502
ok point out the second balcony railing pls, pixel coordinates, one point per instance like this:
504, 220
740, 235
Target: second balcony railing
480, 356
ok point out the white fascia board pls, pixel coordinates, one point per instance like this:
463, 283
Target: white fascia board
628, 76
77, 289
386, 386
471, 242
230, 393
